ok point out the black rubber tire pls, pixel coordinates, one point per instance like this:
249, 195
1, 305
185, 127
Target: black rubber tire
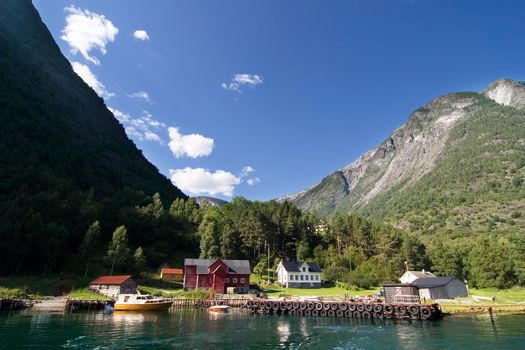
401, 310
307, 312
292, 312
348, 314
339, 313
366, 314
369, 307
326, 306
331, 313
275, 306
303, 306
426, 312
378, 308
319, 306
311, 305
315, 312
343, 306
322, 313
289, 305
249, 304
360, 307
413, 310
295, 305
388, 309
356, 314
334, 306
352, 307
378, 315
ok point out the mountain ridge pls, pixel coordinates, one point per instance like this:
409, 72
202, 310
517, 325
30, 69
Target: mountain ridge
407, 155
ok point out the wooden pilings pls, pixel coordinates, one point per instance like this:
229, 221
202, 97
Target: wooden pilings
84, 305
14, 304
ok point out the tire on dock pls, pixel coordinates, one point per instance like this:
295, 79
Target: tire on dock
326, 306
331, 313
426, 312
310, 305
378, 315
366, 314
413, 310
295, 305
401, 310
360, 307
319, 306
356, 314
303, 306
282, 305
378, 308
369, 307
292, 312
323, 313
348, 314
388, 309
289, 306
352, 307
334, 306
339, 313
307, 312
343, 306
315, 313
275, 306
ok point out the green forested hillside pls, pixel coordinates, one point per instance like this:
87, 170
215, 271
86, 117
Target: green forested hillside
477, 186
65, 160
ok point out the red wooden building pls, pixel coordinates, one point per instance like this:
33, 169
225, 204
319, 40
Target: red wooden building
217, 275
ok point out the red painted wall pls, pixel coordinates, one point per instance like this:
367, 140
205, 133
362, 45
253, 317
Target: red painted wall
219, 281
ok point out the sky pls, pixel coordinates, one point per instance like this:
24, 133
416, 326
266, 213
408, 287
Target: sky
262, 99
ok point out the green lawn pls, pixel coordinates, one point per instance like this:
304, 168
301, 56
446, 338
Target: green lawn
84, 293
275, 290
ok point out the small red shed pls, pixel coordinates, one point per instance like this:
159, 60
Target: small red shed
170, 274
217, 275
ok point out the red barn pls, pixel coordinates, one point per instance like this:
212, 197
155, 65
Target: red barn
217, 275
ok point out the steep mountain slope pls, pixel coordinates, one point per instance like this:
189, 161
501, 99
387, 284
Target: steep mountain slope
210, 201
65, 159
462, 152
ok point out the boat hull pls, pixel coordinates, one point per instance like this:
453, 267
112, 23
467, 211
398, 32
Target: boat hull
165, 305
219, 309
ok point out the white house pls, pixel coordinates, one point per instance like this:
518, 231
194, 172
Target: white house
299, 274
411, 276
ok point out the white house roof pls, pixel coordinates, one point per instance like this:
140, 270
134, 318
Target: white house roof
419, 274
292, 266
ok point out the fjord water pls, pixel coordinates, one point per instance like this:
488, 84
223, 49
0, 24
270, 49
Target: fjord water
190, 329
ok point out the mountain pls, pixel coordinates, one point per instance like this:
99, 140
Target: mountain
457, 163
66, 160
210, 201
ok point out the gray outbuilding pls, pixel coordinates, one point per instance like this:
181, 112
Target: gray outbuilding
440, 288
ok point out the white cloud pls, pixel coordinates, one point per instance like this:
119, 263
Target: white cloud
141, 95
142, 128
85, 73
252, 181
246, 170
193, 145
141, 35
151, 136
240, 80
202, 181
86, 31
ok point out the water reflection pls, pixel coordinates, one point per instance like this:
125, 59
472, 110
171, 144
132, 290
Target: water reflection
199, 329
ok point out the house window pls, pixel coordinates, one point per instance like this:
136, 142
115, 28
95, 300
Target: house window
292, 277
242, 280
234, 280
227, 280
306, 277
302, 277
317, 277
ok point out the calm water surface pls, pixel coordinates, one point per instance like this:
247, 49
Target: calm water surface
189, 329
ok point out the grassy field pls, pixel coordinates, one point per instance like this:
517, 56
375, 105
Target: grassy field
276, 290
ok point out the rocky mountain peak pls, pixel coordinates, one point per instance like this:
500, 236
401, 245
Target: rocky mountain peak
507, 92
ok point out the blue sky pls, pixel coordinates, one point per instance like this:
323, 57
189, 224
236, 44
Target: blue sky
289, 91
